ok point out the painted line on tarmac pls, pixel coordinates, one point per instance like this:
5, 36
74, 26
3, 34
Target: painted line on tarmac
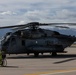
59, 72
53, 72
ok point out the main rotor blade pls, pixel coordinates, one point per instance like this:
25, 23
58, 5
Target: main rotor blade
36, 23
22, 25
41, 24
13, 26
62, 27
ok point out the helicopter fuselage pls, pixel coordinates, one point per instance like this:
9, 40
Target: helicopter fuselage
36, 41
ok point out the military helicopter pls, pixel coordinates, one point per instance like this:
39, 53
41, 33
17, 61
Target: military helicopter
30, 38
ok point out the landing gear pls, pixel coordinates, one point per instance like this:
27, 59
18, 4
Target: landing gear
36, 54
54, 53
27, 53
42, 53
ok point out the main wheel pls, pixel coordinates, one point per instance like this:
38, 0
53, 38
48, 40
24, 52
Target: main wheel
36, 54
54, 53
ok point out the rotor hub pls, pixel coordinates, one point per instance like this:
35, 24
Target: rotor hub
34, 25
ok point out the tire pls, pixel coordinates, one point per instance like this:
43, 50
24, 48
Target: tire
36, 54
54, 53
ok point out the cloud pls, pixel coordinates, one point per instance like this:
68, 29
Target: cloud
7, 13
23, 11
21, 22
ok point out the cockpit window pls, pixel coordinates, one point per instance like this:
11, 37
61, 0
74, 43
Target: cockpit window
8, 33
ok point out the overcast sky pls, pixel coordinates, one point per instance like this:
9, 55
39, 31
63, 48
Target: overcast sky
14, 12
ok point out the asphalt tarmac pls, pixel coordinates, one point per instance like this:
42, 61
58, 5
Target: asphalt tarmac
63, 64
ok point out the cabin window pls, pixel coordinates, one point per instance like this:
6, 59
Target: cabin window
13, 41
23, 42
